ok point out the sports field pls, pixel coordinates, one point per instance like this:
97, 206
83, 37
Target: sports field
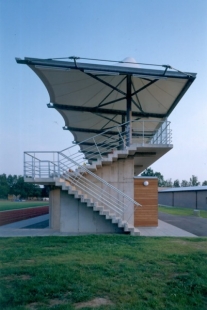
10, 205
110, 272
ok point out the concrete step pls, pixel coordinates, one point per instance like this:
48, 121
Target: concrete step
97, 208
116, 219
83, 198
122, 223
98, 164
135, 232
65, 187
104, 212
59, 183
72, 191
123, 155
110, 216
92, 168
106, 161
129, 227
111, 157
88, 200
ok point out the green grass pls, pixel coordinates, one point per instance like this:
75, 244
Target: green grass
132, 272
10, 205
180, 211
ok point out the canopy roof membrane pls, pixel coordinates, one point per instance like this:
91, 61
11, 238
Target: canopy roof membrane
94, 97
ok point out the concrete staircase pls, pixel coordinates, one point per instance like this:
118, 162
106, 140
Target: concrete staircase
98, 172
96, 206
109, 159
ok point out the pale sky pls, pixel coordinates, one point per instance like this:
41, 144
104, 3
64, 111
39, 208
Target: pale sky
170, 32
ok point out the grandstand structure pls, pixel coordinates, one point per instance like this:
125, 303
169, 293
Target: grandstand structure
117, 113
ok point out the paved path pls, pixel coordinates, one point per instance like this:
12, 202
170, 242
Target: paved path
164, 230
16, 232
192, 224
180, 228
27, 223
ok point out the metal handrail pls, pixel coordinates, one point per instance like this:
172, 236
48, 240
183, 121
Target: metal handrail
109, 129
107, 184
73, 162
93, 190
94, 148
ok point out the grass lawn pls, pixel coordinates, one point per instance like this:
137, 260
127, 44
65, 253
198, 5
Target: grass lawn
10, 205
131, 272
180, 211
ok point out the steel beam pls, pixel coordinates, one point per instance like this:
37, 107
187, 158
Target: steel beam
105, 83
111, 92
103, 111
89, 130
145, 86
129, 111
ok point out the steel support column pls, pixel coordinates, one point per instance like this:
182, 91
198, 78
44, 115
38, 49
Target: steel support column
122, 141
129, 111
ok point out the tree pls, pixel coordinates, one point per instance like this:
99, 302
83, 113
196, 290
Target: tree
194, 181
15, 185
184, 183
11, 181
26, 189
176, 183
4, 188
160, 179
204, 183
168, 183
150, 173
45, 191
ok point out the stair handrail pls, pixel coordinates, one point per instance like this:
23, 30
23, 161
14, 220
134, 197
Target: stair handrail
102, 180
113, 202
108, 142
108, 129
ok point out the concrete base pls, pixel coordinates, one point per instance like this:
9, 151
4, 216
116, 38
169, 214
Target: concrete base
196, 213
68, 214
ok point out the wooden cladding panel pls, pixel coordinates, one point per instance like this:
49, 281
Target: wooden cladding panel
147, 196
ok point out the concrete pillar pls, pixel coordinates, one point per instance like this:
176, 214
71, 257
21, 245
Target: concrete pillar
54, 209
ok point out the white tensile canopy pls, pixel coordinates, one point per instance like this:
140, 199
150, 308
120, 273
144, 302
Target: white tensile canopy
94, 97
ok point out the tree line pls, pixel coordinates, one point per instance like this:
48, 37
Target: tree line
169, 183
15, 185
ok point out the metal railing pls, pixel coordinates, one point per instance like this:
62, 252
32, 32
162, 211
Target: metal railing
116, 138
72, 163
100, 191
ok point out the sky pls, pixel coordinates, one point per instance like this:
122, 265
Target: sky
170, 32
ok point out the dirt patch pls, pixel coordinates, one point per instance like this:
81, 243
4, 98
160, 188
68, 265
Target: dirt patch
96, 302
198, 245
29, 260
176, 275
193, 245
56, 302
25, 277
52, 303
21, 277
180, 242
34, 305
167, 263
